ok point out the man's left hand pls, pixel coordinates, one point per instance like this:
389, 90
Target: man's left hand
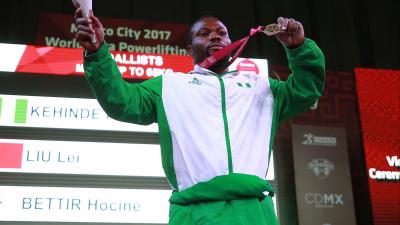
292, 35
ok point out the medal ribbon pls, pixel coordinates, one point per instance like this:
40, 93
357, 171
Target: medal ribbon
271, 29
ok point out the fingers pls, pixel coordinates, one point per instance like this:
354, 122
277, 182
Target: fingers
78, 13
91, 20
289, 25
293, 26
285, 23
83, 36
84, 30
282, 22
94, 20
82, 22
88, 28
292, 35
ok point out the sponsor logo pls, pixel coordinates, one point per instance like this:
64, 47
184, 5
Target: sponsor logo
311, 139
195, 81
248, 66
321, 167
324, 200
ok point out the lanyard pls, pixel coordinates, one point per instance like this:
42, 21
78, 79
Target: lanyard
271, 29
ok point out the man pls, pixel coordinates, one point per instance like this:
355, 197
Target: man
216, 126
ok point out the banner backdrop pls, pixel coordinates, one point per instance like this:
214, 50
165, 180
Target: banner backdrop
322, 176
58, 30
379, 102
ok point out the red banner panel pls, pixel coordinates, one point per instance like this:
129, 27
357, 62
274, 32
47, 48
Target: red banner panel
66, 61
140, 66
379, 103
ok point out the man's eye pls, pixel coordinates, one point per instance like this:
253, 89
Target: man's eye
203, 33
222, 33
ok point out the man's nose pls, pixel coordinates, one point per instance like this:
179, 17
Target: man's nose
214, 35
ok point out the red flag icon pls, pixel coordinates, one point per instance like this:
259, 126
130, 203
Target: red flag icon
10, 155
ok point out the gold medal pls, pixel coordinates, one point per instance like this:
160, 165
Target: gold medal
272, 29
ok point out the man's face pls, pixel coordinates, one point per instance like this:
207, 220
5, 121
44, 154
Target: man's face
208, 35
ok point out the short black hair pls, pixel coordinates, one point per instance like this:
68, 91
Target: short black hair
189, 31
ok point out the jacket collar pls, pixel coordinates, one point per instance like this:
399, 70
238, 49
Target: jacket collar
199, 70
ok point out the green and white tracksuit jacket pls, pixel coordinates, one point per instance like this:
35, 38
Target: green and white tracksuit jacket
216, 132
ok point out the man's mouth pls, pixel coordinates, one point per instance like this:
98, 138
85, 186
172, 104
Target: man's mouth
215, 47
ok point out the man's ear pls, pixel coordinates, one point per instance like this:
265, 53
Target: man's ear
189, 49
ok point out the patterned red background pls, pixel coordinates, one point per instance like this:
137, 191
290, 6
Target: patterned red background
379, 105
337, 107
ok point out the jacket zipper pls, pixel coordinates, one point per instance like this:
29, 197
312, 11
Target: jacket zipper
226, 128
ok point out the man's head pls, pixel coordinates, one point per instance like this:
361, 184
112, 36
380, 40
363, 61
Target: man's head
207, 35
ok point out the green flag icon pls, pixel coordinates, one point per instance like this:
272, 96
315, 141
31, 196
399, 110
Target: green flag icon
1, 103
21, 106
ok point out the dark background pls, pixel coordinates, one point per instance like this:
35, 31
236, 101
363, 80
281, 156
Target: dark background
351, 33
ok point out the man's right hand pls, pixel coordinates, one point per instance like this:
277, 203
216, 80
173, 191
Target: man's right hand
86, 27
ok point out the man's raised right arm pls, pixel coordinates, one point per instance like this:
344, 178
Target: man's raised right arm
135, 103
